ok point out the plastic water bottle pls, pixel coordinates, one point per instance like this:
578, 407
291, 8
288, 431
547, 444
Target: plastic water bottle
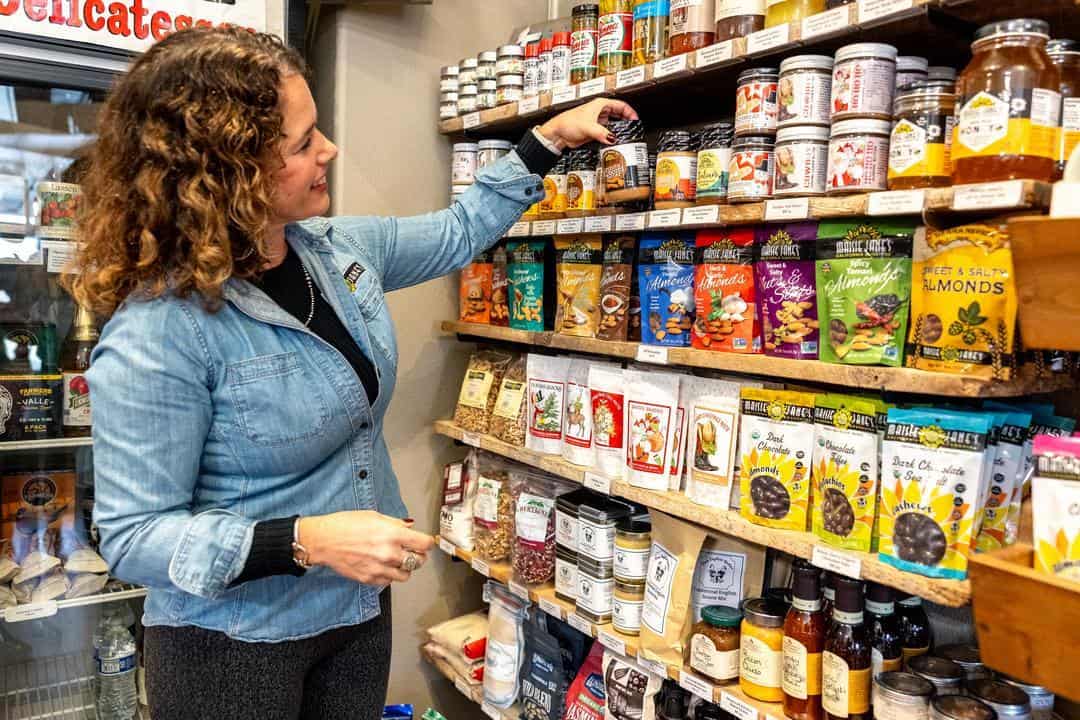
114, 658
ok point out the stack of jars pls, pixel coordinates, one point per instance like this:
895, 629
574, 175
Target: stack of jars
448, 92
633, 541
802, 139
485, 80
510, 74
597, 518
471, 157
468, 90
750, 172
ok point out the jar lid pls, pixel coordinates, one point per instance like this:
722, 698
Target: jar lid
858, 50
597, 569
904, 684
761, 73
1016, 26
627, 131
925, 88
1061, 46
749, 140
960, 654
468, 63
487, 84
1029, 689
545, 44
806, 62
488, 56
585, 9
469, 89
802, 132
630, 526
449, 71
561, 38
941, 72
1000, 696
961, 707
935, 668
511, 79
466, 147
498, 145
631, 588
564, 553
511, 51
721, 616
861, 126
532, 50
765, 612
675, 141
717, 135
603, 510
448, 97
911, 63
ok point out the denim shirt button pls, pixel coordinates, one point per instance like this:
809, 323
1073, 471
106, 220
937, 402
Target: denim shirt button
528, 192
362, 474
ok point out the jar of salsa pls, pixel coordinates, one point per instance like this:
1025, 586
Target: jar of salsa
583, 41
1008, 106
761, 649
738, 18
1065, 54
692, 25
650, 30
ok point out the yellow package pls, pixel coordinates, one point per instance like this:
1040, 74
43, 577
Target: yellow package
963, 304
578, 266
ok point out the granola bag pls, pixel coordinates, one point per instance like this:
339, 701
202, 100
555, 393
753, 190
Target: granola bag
724, 292
508, 417
615, 282
578, 268
480, 388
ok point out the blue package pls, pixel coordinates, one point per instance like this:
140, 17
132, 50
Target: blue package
666, 286
398, 712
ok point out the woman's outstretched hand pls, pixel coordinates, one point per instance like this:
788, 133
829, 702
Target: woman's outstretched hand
586, 123
363, 545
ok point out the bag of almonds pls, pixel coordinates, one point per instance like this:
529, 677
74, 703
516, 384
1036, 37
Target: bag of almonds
480, 389
508, 418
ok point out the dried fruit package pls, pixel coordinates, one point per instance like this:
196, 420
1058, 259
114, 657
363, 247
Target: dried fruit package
963, 302
864, 291
606, 384
480, 389
1000, 524
474, 291
526, 268
578, 268
577, 447
786, 288
845, 470
776, 443
666, 285
712, 439
724, 292
508, 417
500, 287
615, 282
650, 419
931, 466
1055, 497
533, 555
547, 387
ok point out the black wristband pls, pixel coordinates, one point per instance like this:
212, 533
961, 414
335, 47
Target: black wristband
537, 158
271, 551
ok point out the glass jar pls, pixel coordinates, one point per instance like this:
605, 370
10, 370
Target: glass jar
511, 60
755, 101
463, 164
560, 59
750, 172
804, 90
596, 587
650, 30
626, 606
467, 71
779, 12
967, 657
466, 101
1042, 700
920, 144
959, 707
448, 105
761, 649
615, 36
738, 18
1008, 106
901, 696
625, 165
566, 583
714, 156
946, 676
909, 69
448, 79
633, 540
597, 518
510, 89
802, 156
489, 152
676, 170
864, 78
714, 643
858, 156
1009, 702
1065, 54
487, 65
692, 25
487, 94
583, 39
532, 70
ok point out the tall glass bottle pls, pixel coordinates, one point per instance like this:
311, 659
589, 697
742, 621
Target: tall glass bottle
886, 633
845, 664
804, 640
615, 47
916, 626
74, 362
650, 30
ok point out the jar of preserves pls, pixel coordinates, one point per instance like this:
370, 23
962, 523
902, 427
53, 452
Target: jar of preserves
804, 90
596, 587
1065, 54
714, 156
487, 94
802, 156
1042, 700
467, 74
750, 172
448, 105
532, 70
676, 170
755, 102
779, 12
858, 156
625, 165
959, 707
714, 643
510, 89
864, 77
615, 43
692, 25
1008, 106
566, 585
920, 144
738, 18
487, 64
633, 541
967, 657
650, 30
901, 696
761, 649
626, 607
1009, 702
560, 59
511, 60
946, 676
909, 69
583, 39
466, 101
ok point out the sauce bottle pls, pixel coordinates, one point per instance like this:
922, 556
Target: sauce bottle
804, 639
915, 626
886, 633
1066, 55
846, 662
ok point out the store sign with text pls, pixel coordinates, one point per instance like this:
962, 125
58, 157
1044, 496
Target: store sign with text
124, 24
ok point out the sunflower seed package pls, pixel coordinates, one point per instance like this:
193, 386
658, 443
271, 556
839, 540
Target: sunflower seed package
1055, 497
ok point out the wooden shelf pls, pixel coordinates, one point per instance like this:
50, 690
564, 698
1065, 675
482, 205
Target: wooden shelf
883, 379
474, 693
954, 593
50, 444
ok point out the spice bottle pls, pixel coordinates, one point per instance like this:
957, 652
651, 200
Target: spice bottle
714, 156
738, 18
583, 39
544, 74
532, 70
615, 46
448, 105
448, 79
466, 101
650, 30
846, 662
692, 25
886, 634
1065, 54
714, 643
560, 60
901, 696
804, 640
915, 625
920, 145
626, 163
1008, 106
676, 170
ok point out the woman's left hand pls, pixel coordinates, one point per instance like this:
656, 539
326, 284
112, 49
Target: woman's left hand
586, 123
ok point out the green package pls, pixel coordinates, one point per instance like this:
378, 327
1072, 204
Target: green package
863, 273
526, 263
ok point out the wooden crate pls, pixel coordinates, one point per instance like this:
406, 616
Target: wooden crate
1028, 622
1046, 257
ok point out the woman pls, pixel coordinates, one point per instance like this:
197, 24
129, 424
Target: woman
240, 384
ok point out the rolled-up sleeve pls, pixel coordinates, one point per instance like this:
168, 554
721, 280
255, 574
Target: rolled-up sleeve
150, 380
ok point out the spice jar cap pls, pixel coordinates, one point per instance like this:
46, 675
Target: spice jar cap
912, 62
764, 611
585, 9
721, 616
960, 653
806, 62
998, 693
961, 707
469, 89
511, 51
675, 141
496, 145
849, 595
941, 72
545, 44
750, 140
760, 73
449, 71
861, 126
1016, 26
466, 147
561, 38
876, 592
468, 63
802, 132
488, 56
904, 684
532, 50
935, 667
857, 50
634, 527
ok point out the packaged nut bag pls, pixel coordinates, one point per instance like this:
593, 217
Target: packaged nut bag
475, 290
577, 445
666, 285
527, 269
1055, 499
606, 393
787, 290
578, 269
508, 417
479, 389
1000, 524
615, 282
650, 421
493, 508
500, 287
724, 292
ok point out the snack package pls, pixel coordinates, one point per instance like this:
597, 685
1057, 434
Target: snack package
577, 445
505, 647
666, 286
786, 289
630, 689
474, 291
543, 682
845, 470
526, 268
508, 417
37, 517
615, 282
864, 290
712, 437
480, 389
1001, 508
931, 466
666, 619
650, 419
727, 569
500, 287
533, 556
586, 700
456, 518
493, 507
633, 324
678, 442
1055, 495
606, 395
578, 269
776, 444
963, 302
547, 387
464, 636
724, 292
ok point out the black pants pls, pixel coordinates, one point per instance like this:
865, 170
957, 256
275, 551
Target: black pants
196, 674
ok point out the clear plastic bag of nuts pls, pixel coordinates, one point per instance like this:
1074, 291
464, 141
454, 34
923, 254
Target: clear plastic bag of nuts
493, 506
480, 389
533, 550
508, 417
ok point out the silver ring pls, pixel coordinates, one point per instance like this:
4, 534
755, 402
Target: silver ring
410, 562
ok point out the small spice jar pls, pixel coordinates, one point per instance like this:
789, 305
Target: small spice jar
802, 156
738, 18
487, 65
750, 172
584, 37
959, 707
448, 105
626, 163
946, 676
863, 80
448, 78
858, 156
463, 168
531, 73
1009, 702
921, 139
755, 101
510, 60
676, 170
560, 59
487, 95
633, 540
804, 89
714, 643
1042, 700
467, 74
566, 584
510, 89
714, 156
626, 606
466, 101
581, 180
489, 152
967, 657
901, 696
598, 519
909, 69
596, 587
761, 649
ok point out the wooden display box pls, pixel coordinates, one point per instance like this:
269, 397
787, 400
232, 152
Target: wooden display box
1028, 622
1046, 257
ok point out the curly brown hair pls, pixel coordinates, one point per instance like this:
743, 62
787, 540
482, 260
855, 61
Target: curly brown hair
179, 186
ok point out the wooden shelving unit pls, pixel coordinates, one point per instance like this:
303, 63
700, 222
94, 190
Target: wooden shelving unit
472, 692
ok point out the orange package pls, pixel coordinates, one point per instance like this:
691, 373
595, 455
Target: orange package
474, 292
724, 295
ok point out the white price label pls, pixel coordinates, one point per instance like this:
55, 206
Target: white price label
630, 222
579, 623
693, 684
665, 218
611, 642
543, 227
33, 611
598, 224
670, 66
518, 229
470, 439
569, 226
874, 9
787, 209
470, 121
518, 589
592, 87
529, 105
767, 39
656, 668
563, 95
447, 547
629, 78
491, 711
837, 561
463, 687
481, 567
655, 354
551, 608
826, 23
704, 215
599, 483
896, 202
714, 54
738, 708
987, 196
60, 253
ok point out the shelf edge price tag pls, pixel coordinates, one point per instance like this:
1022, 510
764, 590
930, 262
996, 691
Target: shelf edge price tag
629, 222
826, 22
592, 87
481, 567
32, 611
836, 561
714, 54
471, 439
704, 215
656, 668
598, 224
874, 9
787, 209
655, 354
563, 95
447, 547
518, 229
491, 711
463, 687
737, 707
670, 66
528, 105
664, 218
693, 684
551, 608
611, 642
60, 253
579, 623
543, 227
518, 589
986, 196
470, 121
763, 40
569, 226
629, 78
599, 483
896, 202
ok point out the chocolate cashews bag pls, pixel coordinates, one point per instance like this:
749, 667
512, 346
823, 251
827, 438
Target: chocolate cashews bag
845, 471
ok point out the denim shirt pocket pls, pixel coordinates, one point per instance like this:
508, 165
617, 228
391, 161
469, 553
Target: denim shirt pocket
261, 387
370, 299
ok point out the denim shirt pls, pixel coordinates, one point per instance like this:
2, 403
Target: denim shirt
205, 423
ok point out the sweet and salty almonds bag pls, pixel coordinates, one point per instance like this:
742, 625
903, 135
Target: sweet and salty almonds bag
666, 619
1055, 500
